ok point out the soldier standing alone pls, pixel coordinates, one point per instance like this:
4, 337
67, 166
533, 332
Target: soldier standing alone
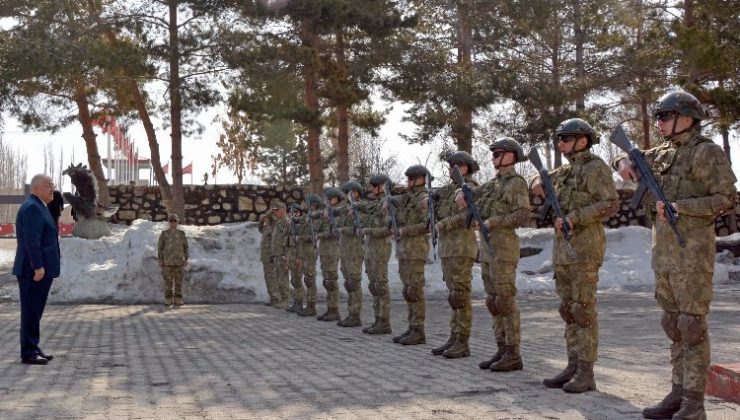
172, 253
587, 195
697, 180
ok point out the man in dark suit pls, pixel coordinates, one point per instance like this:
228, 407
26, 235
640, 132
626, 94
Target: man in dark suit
37, 263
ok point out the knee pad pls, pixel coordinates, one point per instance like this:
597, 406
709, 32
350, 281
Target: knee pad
296, 282
693, 328
411, 294
382, 288
351, 285
457, 298
583, 314
309, 281
505, 305
373, 288
330, 284
491, 304
565, 313
669, 322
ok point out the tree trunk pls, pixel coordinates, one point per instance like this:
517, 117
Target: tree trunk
177, 205
463, 131
557, 110
645, 119
689, 21
315, 166
580, 72
342, 119
93, 156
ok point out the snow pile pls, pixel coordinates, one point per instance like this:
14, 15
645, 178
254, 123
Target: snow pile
225, 267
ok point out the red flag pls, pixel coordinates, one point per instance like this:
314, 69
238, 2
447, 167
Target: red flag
166, 168
188, 169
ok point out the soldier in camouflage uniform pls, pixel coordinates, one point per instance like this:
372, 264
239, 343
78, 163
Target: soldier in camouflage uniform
266, 225
377, 254
457, 249
504, 204
307, 251
699, 183
412, 252
351, 253
329, 256
172, 253
295, 264
279, 251
587, 195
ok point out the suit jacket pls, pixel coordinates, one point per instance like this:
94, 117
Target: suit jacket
38, 243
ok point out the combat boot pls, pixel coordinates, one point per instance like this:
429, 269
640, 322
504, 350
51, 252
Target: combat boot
309, 310
332, 314
352, 320
692, 406
511, 360
293, 308
665, 409
383, 326
486, 364
459, 348
563, 377
282, 304
398, 338
367, 329
437, 351
415, 336
583, 380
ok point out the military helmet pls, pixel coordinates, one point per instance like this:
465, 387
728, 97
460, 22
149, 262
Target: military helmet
416, 171
680, 102
461, 157
378, 179
333, 192
351, 186
510, 145
313, 200
578, 127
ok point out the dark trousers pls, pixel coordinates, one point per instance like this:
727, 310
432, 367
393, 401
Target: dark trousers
33, 296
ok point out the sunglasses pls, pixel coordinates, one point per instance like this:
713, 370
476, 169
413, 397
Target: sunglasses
498, 153
665, 116
567, 139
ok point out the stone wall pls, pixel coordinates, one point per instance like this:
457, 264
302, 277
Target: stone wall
204, 205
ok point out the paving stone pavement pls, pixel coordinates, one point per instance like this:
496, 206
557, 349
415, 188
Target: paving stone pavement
252, 361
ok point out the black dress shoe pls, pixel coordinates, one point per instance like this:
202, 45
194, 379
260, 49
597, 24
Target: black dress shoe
48, 357
34, 360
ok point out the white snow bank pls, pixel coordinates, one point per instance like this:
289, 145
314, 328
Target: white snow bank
225, 267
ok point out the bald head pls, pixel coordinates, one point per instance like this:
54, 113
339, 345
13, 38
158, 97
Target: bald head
42, 187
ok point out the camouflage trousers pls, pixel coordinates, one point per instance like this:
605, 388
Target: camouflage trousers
458, 275
295, 267
331, 279
309, 278
280, 265
173, 275
377, 274
351, 266
412, 277
268, 269
576, 286
499, 284
685, 298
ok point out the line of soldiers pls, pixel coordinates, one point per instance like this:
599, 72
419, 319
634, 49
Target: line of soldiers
345, 229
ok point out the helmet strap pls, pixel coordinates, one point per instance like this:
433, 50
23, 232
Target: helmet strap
673, 129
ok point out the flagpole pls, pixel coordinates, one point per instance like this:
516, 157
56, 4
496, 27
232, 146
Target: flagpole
110, 153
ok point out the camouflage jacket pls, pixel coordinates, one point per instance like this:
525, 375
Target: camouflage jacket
413, 223
587, 195
350, 244
504, 204
694, 173
375, 226
172, 248
455, 239
280, 237
303, 230
265, 229
329, 243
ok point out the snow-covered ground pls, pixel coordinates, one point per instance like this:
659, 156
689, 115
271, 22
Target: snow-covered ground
224, 266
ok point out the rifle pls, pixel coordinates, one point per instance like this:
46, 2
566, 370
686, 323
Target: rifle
391, 211
646, 181
473, 213
551, 200
332, 220
432, 216
293, 233
310, 225
355, 216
